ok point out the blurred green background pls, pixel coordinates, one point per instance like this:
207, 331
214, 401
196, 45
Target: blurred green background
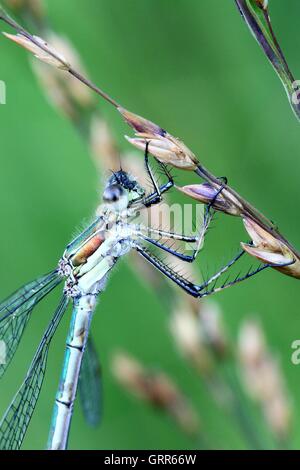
193, 67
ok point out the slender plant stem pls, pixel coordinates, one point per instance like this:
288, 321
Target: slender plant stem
201, 171
8, 20
258, 20
235, 407
248, 209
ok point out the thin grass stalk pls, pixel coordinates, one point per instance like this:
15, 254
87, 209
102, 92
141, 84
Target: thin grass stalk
167, 292
257, 17
140, 123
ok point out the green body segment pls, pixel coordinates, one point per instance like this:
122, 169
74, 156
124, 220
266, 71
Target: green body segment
76, 342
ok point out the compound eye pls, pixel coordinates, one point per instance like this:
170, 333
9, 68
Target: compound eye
112, 193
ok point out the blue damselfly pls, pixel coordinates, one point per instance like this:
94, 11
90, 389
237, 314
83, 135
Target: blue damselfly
85, 266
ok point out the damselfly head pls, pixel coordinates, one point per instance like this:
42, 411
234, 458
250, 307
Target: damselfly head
122, 189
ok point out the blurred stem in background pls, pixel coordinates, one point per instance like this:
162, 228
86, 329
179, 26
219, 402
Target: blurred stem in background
262, 377
157, 389
195, 326
256, 14
260, 371
169, 150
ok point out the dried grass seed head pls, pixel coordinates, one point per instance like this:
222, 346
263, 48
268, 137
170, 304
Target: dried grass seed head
162, 145
269, 250
207, 194
186, 330
157, 389
35, 7
40, 49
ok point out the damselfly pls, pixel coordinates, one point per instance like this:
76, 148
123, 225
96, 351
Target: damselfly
85, 266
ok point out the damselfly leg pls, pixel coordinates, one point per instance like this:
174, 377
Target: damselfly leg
158, 190
192, 289
196, 290
199, 239
85, 265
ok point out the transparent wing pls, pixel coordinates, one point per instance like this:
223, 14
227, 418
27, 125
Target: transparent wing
15, 312
15, 421
90, 385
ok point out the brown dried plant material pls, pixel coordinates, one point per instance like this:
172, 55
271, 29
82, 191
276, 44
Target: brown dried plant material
270, 250
62, 89
212, 325
263, 378
162, 145
103, 146
37, 48
207, 194
156, 388
140, 124
168, 150
35, 7
186, 330
200, 337
82, 95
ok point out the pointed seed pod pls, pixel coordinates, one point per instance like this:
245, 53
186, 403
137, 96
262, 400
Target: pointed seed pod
140, 124
162, 145
207, 194
58, 61
167, 150
269, 250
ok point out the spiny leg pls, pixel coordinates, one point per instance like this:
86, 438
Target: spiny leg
208, 216
186, 285
155, 197
194, 289
175, 277
207, 219
150, 172
215, 277
239, 279
180, 237
222, 271
166, 234
182, 256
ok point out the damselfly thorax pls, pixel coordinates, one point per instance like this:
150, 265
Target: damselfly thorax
90, 257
